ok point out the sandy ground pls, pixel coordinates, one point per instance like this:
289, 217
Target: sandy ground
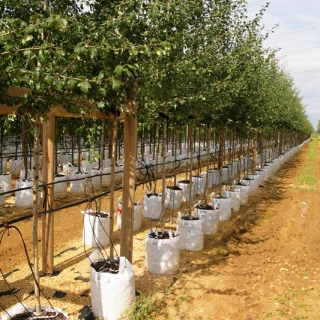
262, 264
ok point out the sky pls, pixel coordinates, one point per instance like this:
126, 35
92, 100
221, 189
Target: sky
298, 37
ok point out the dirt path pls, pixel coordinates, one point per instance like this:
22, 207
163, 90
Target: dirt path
262, 264
271, 270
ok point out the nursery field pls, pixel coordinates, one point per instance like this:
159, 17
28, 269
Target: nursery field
264, 263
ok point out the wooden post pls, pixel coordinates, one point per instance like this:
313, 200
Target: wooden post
128, 185
48, 176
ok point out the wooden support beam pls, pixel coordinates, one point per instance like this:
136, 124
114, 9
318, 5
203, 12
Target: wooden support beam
128, 184
48, 176
59, 111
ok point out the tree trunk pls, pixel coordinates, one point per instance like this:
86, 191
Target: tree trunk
48, 176
129, 180
112, 185
35, 216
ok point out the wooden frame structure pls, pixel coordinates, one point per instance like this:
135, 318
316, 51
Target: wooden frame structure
128, 182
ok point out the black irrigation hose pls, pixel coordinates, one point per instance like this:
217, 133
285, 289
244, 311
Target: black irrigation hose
95, 237
7, 227
5, 309
59, 208
99, 246
89, 207
52, 210
8, 285
148, 172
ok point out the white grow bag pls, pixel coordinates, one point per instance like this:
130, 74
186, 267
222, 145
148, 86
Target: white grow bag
184, 185
96, 178
24, 198
79, 185
256, 177
162, 255
210, 216
111, 293
224, 206
152, 206
60, 188
210, 178
88, 166
64, 158
69, 169
16, 166
244, 195
136, 216
252, 185
225, 174
30, 174
190, 229
4, 165
21, 308
96, 228
235, 199
6, 181
215, 174
2, 200
173, 197
199, 183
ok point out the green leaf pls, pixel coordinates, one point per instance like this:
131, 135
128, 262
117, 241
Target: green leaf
84, 86
102, 91
27, 52
37, 72
116, 84
118, 70
48, 79
101, 105
30, 29
93, 53
61, 53
129, 73
60, 86
62, 22
26, 38
71, 84
101, 75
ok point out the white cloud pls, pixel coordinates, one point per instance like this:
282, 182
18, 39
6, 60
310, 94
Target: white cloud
293, 17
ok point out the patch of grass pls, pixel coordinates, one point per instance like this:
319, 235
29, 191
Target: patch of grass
146, 307
307, 179
281, 312
284, 303
268, 315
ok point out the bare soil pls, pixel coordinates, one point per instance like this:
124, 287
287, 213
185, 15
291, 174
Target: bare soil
262, 264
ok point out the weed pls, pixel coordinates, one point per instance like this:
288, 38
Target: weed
268, 315
146, 307
307, 180
281, 312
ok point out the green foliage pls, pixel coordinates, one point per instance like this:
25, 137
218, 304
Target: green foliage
185, 58
146, 307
